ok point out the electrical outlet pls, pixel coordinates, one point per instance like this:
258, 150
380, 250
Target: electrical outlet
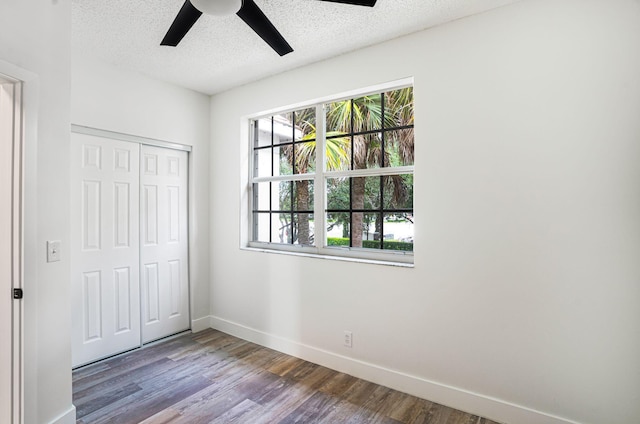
348, 338
53, 251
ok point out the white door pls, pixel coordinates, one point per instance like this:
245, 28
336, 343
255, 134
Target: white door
105, 247
164, 243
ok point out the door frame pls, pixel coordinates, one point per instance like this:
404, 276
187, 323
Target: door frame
23, 238
81, 129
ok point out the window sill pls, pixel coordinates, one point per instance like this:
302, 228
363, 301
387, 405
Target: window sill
298, 251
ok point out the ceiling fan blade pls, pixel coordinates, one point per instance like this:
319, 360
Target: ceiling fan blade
370, 3
187, 16
251, 14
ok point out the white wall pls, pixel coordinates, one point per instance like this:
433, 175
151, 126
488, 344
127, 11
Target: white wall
111, 99
524, 303
34, 37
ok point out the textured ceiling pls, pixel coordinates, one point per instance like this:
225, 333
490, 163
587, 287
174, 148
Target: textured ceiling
223, 52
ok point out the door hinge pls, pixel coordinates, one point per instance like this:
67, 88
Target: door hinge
18, 293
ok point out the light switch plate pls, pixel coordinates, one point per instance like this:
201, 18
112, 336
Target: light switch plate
53, 251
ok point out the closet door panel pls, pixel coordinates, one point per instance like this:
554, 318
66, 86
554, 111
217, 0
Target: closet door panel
104, 247
164, 248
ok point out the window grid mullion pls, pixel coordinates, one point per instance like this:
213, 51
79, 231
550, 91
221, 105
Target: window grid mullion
369, 132
254, 130
398, 210
270, 217
353, 166
350, 212
320, 198
292, 190
382, 165
381, 212
351, 131
273, 170
382, 134
271, 148
293, 143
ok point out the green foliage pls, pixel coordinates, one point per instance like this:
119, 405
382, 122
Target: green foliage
395, 245
337, 241
373, 244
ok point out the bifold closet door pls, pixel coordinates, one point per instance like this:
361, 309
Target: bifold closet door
164, 242
105, 260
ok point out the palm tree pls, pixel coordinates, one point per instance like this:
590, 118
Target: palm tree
364, 114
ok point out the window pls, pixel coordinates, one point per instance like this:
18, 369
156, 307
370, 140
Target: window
336, 178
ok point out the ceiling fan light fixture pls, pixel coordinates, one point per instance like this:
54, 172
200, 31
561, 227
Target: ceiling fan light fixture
218, 7
247, 10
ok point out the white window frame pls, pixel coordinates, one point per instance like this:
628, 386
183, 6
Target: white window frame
319, 178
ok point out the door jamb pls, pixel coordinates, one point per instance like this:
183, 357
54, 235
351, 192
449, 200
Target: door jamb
24, 100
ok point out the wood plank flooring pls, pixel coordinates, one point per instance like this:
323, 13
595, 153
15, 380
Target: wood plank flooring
212, 377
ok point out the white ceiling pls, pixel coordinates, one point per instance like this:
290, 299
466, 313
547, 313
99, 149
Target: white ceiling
219, 53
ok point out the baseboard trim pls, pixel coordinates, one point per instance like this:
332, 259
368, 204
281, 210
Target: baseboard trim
200, 324
69, 417
464, 400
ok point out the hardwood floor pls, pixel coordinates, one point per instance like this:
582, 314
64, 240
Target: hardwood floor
212, 377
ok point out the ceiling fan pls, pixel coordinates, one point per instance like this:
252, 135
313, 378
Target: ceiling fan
247, 10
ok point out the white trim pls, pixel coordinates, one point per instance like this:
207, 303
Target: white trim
312, 252
28, 341
200, 324
388, 86
370, 172
319, 202
475, 403
290, 177
338, 253
18, 260
26, 91
68, 417
12, 139
80, 129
